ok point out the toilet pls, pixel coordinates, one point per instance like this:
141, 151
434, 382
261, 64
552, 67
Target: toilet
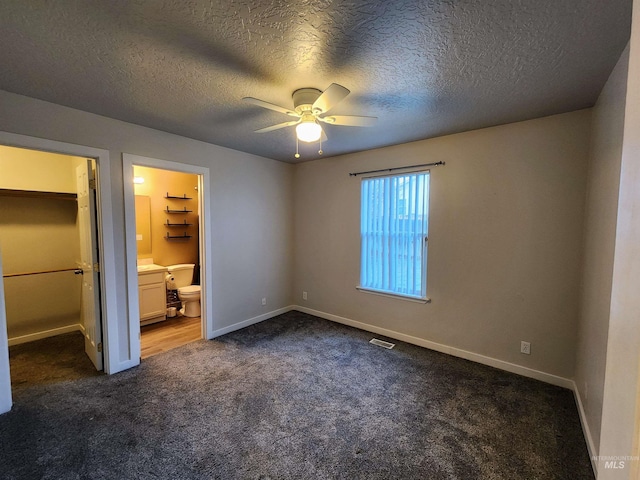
188, 294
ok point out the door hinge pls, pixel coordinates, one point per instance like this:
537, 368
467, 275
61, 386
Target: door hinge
92, 184
96, 267
99, 347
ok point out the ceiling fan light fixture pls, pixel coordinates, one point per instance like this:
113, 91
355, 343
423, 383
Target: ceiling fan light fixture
308, 131
310, 106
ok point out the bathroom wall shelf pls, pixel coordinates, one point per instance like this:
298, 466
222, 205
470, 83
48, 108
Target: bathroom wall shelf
185, 224
175, 197
177, 237
168, 210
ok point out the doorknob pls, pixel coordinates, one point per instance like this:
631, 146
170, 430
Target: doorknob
78, 271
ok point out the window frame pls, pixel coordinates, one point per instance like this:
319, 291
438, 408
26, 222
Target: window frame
423, 297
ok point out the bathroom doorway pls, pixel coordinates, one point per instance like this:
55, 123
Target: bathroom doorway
166, 252
51, 283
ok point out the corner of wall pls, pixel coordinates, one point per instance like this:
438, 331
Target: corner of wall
598, 244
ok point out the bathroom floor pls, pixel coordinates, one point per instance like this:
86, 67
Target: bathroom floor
164, 336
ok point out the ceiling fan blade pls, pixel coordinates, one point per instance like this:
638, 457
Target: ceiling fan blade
323, 137
278, 126
330, 98
349, 120
270, 106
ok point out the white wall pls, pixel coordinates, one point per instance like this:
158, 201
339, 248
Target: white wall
504, 240
250, 198
620, 411
599, 241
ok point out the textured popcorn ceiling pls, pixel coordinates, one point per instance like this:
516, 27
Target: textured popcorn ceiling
425, 68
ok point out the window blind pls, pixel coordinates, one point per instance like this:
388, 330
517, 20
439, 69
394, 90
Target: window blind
394, 227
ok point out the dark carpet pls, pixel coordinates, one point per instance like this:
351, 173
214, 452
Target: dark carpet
50, 360
295, 397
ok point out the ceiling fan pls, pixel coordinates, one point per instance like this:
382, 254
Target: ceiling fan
310, 106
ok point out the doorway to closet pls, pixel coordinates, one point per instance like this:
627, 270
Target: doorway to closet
48, 234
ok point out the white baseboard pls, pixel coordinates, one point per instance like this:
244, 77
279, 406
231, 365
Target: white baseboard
593, 454
45, 334
251, 321
438, 347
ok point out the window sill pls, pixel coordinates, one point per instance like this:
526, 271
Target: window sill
394, 295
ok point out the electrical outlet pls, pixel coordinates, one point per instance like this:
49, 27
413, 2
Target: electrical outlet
304, 295
264, 300
525, 347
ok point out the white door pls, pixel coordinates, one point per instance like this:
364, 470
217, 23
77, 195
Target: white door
90, 308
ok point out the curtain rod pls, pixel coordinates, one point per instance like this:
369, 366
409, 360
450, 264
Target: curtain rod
434, 164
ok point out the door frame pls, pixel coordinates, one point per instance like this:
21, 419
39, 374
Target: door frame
5, 374
106, 245
204, 240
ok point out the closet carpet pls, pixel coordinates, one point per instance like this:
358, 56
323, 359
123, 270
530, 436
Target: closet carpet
50, 360
295, 397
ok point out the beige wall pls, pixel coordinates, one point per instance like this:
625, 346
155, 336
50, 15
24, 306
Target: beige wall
504, 240
22, 169
599, 240
39, 234
156, 185
621, 406
251, 207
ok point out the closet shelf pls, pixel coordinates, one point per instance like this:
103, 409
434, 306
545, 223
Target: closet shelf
9, 192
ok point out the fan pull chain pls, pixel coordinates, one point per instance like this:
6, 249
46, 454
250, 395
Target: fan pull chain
320, 151
297, 155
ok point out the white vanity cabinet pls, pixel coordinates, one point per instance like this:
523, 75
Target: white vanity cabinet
152, 293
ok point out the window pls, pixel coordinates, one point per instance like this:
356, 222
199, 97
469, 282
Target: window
394, 220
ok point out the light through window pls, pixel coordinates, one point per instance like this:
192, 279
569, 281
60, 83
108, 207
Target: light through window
394, 221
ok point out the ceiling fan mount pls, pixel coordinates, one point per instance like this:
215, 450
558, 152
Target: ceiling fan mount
303, 100
310, 107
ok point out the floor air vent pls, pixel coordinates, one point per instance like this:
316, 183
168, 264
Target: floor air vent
382, 343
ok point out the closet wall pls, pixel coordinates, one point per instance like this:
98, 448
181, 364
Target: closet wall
39, 232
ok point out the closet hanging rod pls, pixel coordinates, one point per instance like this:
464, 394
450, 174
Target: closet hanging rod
434, 164
9, 275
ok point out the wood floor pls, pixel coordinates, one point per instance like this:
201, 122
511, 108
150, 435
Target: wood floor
163, 336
